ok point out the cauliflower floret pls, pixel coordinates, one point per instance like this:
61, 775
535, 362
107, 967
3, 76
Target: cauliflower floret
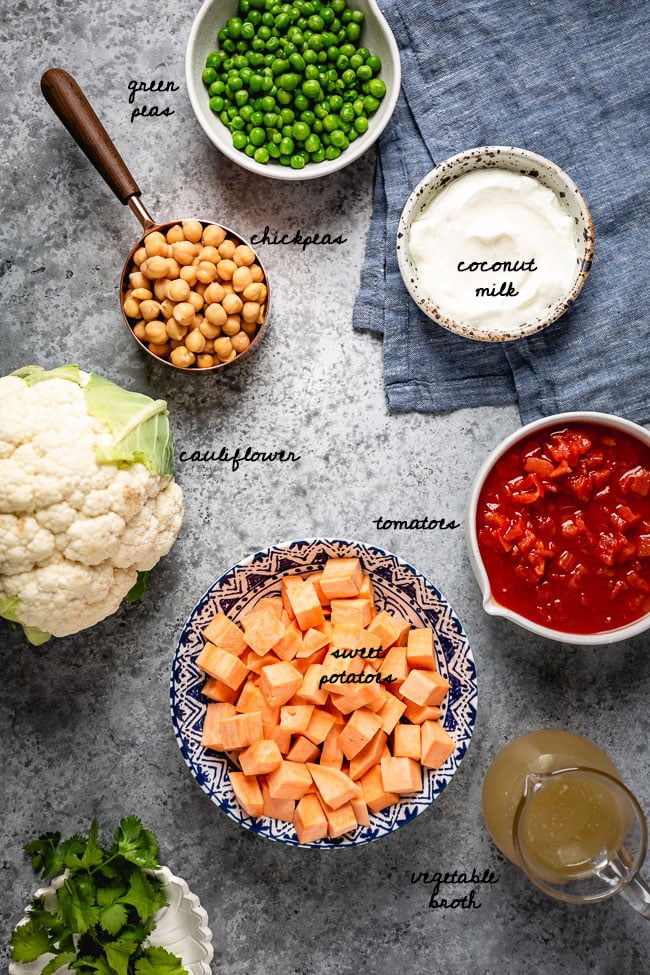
74, 533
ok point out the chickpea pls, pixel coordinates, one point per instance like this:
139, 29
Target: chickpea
196, 300
138, 280
200, 289
240, 342
232, 325
206, 272
183, 252
209, 330
131, 307
257, 272
173, 268
139, 256
213, 292
141, 294
139, 332
196, 321
205, 361
160, 288
215, 314
188, 274
243, 255
228, 288
195, 341
210, 254
213, 235
249, 327
149, 310
175, 331
155, 267
160, 350
242, 279
209, 346
226, 269
223, 348
155, 245
184, 313
232, 304
178, 290
252, 292
175, 234
227, 249
263, 293
156, 332
250, 311
193, 230
167, 308
181, 356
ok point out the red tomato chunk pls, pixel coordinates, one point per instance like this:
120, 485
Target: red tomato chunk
563, 527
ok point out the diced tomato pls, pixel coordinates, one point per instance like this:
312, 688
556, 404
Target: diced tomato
561, 469
578, 577
618, 587
636, 481
581, 486
566, 560
643, 546
600, 477
524, 490
623, 511
609, 545
537, 465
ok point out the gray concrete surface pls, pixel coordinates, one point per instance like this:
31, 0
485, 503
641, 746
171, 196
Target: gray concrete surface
85, 722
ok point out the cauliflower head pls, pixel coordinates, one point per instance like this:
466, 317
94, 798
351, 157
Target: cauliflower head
87, 498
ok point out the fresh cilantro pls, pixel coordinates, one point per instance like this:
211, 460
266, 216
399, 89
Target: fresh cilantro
105, 908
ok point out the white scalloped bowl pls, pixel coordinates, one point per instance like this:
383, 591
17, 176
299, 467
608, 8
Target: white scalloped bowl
181, 927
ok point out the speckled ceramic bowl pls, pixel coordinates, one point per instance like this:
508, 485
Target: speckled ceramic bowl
376, 35
516, 161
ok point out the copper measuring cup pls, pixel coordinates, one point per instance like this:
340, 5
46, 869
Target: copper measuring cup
69, 103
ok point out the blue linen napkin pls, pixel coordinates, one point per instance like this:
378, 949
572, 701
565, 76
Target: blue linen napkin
567, 79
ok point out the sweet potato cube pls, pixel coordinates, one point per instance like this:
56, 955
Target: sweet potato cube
319, 727
290, 780
295, 718
388, 629
315, 581
367, 591
417, 714
305, 605
287, 647
374, 794
391, 712
332, 753
341, 578
225, 634
223, 665
355, 696
270, 602
247, 793
401, 775
303, 750
216, 690
334, 786
419, 649
406, 741
283, 809
360, 811
437, 745
350, 636
312, 641
368, 757
395, 665
360, 729
273, 732
211, 736
310, 821
262, 630
424, 687
310, 691
241, 730
260, 758
356, 611
289, 582
256, 663
280, 682
341, 820
252, 699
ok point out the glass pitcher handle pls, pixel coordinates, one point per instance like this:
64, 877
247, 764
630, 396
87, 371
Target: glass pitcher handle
637, 893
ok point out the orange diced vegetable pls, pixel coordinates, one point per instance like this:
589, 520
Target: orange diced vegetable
310, 690
288, 647
341, 578
247, 793
290, 780
360, 811
312, 641
332, 753
309, 820
241, 730
255, 663
260, 758
437, 745
225, 634
280, 737
216, 690
341, 820
303, 750
319, 727
295, 718
401, 775
394, 665
334, 786
406, 741
360, 729
424, 687
356, 611
305, 605
419, 649
280, 682
223, 665
283, 809
270, 602
387, 629
370, 756
315, 581
211, 736
374, 794
263, 630
417, 714
391, 712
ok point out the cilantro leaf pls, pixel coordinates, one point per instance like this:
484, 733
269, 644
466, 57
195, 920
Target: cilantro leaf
145, 895
113, 918
29, 941
87, 966
72, 850
44, 854
93, 854
58, 962
77, 906
136, 844
157, 961
109, 894
118, 954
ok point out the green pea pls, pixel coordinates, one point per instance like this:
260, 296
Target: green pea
256, 82
261, 155
310, 57
294, 34
246, 111
268, 103
301, 103
370, 103
276, 137
312, 143
209, 76
353, 31
311, 88
364, 72
348, 50
270, 120
374, 62
239, 140
358, 106
315, 22
288, 116
279, 66
273, 150
361, 124
321, 109
255, 59
241, 97
318, 126
300, 131
377, 88
250, 150
297, 161
308, 117
232, 112
237, 123
287, 131
216, 104
282, 22
224, 118
331, 122
257, 5
257, 118
349, 77
229, 46
264, 32
289, 82
287, 146
268, 19
267, 83
245, 74
257, 135
213, 60
217, 88
297, 62
247, 31
273, 44
338, 6
332, 152
352, 135
358, 16
338, 138
346, 16
333, 53
284, 97
347, 113
356, 61
244, 6
233, 26
318, 156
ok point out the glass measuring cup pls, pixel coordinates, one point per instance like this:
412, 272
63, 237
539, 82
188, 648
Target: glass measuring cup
71, 106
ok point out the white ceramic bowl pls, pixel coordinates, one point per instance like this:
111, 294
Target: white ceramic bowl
376, 35
517, 161
181, 927
490, 605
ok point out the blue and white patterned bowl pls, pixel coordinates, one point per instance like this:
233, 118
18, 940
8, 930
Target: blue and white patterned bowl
397, 587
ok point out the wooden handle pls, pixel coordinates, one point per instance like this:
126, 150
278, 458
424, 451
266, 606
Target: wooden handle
66, 99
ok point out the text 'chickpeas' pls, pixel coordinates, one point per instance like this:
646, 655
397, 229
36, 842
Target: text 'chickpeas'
195, 296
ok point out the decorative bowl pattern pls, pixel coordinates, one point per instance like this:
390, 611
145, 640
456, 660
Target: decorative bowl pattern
517, 161
181, 927
397, 587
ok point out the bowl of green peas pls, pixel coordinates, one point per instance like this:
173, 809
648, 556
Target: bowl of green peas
293, 90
